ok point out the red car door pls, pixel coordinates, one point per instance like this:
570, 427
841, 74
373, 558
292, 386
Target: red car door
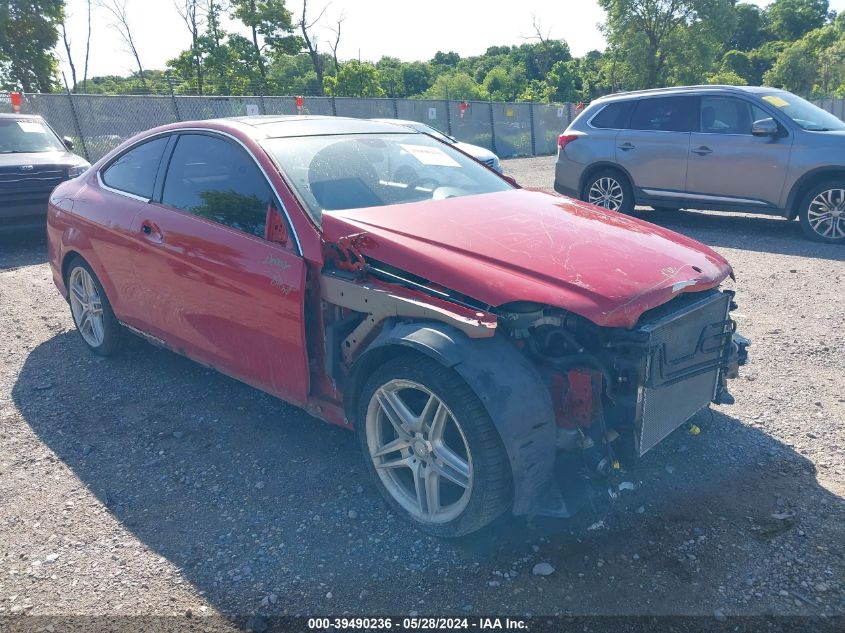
108, 205
215, 289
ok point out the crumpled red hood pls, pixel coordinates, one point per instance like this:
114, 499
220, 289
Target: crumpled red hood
525, 245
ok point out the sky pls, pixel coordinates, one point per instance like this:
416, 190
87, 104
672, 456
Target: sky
409, 30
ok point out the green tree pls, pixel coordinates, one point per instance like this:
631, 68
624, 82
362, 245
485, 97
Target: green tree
750, 30
354, 79
562, 81
790, 20
796, 69
456, 85
503, 84
29, 31
645, 35
270, 25
727, 78
417, 77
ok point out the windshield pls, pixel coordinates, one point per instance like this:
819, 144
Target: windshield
804, 113
427, 129
332, 173
23, 136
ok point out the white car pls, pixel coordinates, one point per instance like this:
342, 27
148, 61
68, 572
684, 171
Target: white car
480, 154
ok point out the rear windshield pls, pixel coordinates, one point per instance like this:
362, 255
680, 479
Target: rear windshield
805, 114
337, 172
24, 136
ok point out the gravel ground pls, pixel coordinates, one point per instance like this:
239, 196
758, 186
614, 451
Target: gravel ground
148, 485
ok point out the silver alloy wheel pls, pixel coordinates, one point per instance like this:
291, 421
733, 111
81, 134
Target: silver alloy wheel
607, 192
86, 306
826, 214
419, 451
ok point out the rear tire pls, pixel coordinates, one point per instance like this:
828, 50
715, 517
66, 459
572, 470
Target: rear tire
431, 447
822, 212
609, 189
91, 311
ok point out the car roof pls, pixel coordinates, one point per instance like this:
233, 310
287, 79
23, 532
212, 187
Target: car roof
272, 126
684, 90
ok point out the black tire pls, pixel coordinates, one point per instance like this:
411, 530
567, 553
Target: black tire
113, 332
814, 228
621, 180
491, 492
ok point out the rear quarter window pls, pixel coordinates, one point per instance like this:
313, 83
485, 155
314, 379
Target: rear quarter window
614, 116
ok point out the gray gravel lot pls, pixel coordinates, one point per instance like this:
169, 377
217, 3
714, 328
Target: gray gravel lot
147, 484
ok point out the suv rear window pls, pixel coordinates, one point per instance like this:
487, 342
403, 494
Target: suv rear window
665, 114
614, 116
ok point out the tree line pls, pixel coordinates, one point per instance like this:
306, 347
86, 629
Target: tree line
794, 44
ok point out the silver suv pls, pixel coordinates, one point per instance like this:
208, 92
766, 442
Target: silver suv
722, 148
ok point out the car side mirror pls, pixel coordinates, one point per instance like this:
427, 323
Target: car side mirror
511, 180
764, 127
68, 141
276, 230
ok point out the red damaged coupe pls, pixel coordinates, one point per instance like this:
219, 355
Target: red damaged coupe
495, 349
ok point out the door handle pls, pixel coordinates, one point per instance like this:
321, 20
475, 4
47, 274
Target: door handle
626, 147
151, 232
702, 151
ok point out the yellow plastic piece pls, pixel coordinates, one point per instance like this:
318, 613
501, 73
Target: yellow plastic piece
776, 101
616, 465
694, 429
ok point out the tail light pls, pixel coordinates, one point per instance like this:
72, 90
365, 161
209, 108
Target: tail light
565, 139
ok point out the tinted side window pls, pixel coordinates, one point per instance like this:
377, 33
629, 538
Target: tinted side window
666, 114
215, 179
613, 116
135, 170
720, 115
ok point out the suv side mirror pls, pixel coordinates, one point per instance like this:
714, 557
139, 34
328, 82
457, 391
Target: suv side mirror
765, 127
68, 141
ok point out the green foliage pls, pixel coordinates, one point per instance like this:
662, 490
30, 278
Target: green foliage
792, 19
456, 85
726, 78
28, 35
750, 30
795, 44
354, 79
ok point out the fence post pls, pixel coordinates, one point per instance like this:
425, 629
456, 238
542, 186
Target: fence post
173, 99
395, 108
533, 135
492, 129
448, 118
334, 107
261, 96
75, 118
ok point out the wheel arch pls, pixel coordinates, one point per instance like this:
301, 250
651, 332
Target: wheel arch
602, 165
805, 183
67, 258
508, 386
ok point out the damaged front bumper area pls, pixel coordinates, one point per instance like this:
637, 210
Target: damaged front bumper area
627, 393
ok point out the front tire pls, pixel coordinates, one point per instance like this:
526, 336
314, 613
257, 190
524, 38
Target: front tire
609, 189
431, 447
91, 310
822, 212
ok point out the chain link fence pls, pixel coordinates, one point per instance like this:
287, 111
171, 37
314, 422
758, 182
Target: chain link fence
835, 106
99, 123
